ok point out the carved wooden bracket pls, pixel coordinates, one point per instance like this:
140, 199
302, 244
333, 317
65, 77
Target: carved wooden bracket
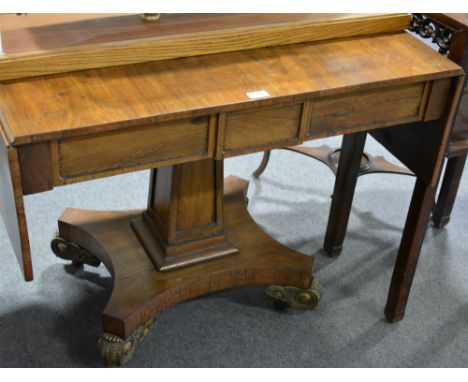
425, 27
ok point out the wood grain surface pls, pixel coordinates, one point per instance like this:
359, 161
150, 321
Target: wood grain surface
262, 127
140, 292
109, 41
120, 149
365, 110
91, 101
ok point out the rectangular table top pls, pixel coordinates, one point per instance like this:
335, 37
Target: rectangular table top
96, 100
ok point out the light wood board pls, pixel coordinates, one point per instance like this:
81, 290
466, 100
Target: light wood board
103, 42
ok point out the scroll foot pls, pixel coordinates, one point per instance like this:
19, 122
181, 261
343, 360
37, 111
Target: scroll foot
116, 351
296, 298
67, 250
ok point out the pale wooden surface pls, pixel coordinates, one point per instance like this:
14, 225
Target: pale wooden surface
93, 101
102, 42
29, 33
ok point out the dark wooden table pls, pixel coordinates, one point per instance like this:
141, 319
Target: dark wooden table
181, 118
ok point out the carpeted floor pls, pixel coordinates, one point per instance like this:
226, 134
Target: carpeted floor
55, 320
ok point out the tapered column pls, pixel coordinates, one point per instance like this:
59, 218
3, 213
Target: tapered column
343, 193
183, 223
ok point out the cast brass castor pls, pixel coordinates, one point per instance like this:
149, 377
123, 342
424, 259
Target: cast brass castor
67, 250
296, 298
116, 351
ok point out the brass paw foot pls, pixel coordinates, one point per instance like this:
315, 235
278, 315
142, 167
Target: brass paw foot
115, 351
67, 250
296, 298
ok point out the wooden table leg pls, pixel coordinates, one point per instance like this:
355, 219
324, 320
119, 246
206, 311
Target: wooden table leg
448, 190
345, 184
195, 253
410, 247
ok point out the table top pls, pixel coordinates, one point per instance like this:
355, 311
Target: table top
91, 101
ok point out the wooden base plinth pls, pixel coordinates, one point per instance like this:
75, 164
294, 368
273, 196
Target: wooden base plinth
141, 292
192, 252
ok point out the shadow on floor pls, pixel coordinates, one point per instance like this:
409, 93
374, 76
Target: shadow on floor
38, 335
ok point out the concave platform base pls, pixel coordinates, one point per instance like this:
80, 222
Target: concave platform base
141, 292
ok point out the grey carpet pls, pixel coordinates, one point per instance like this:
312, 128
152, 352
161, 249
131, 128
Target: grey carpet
55, 320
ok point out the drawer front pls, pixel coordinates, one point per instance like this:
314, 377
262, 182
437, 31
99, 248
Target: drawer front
362, 111
262, 128
137, 147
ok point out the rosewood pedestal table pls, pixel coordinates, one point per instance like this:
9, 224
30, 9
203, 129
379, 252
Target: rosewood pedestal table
181, 117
